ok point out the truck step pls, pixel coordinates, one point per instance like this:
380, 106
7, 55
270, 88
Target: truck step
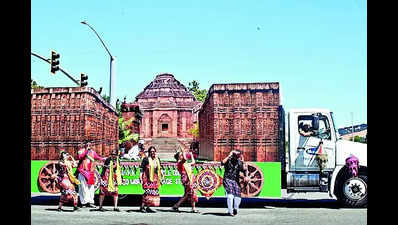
302, 189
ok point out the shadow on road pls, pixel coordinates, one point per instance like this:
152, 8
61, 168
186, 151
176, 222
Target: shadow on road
133, 210
171, 210
217, 202
291, 203
217, 214
63, 210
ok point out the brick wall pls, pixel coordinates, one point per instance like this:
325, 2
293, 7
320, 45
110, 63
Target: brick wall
66, 117
240, 116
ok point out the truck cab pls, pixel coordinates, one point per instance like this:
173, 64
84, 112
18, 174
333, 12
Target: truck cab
311, 134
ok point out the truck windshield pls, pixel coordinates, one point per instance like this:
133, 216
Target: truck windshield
334, 127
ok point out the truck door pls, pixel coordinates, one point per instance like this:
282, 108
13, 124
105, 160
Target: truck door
305, 139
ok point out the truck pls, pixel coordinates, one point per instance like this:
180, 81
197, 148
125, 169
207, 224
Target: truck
301, 172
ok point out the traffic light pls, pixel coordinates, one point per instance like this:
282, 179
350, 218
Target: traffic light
83, 80
54, 61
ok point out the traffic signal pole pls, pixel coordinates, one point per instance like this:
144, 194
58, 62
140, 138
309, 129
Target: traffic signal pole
112, 99
62, 70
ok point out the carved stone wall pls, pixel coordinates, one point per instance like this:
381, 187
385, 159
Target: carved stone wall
240, 116
66, 117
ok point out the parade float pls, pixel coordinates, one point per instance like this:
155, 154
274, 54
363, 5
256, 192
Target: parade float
244, 116
66, 117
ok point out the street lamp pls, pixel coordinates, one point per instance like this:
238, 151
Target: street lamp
112, 65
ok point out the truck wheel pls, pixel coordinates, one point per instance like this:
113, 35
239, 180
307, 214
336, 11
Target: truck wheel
353, 191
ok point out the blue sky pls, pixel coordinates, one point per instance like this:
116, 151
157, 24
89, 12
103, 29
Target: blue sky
316, 50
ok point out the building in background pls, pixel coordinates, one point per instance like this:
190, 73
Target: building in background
347, 133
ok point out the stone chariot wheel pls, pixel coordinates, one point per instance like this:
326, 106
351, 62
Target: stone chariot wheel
255, 181
208, 181
48, 177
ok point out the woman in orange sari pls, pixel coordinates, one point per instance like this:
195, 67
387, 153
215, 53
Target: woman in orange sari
187, 179
150, 177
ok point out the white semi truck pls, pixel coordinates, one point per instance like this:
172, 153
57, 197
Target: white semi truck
312, 133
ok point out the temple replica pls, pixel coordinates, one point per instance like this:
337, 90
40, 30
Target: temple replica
169, 111
234, 116
241, 116
67, 117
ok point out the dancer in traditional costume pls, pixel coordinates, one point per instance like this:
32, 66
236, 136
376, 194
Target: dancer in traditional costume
150, 177
233, 165
67, 181
188, 180
194, 148
111, 178
86, 168
142, 152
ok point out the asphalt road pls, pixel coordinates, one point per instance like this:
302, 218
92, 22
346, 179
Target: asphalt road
302, 208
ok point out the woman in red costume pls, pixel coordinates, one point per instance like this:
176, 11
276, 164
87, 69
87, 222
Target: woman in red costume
187, 179
150, 177
86, 168
66, 180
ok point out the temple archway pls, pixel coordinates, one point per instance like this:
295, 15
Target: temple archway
164, 125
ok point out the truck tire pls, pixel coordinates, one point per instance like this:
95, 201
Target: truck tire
353, 191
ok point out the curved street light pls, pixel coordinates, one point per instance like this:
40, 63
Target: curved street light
112, 65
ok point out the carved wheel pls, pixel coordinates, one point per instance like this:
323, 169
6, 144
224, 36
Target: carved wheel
255, 181
48, 177
208, 182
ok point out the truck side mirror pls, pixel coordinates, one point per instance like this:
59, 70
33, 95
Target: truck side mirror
315, 122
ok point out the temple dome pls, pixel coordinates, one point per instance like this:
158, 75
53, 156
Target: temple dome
165, 85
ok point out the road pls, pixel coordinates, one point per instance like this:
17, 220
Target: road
291, 209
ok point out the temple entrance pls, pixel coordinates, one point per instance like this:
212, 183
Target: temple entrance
164, 125
169, 111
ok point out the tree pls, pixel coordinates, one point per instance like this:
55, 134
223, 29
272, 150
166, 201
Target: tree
125, 134
106, 98
34, 85
359, 139
195, 130
200, 94
193, 86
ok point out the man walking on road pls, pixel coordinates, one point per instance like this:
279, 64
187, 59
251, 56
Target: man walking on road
233, 165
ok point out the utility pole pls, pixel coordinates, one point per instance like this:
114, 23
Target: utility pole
112, 77
352, 125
